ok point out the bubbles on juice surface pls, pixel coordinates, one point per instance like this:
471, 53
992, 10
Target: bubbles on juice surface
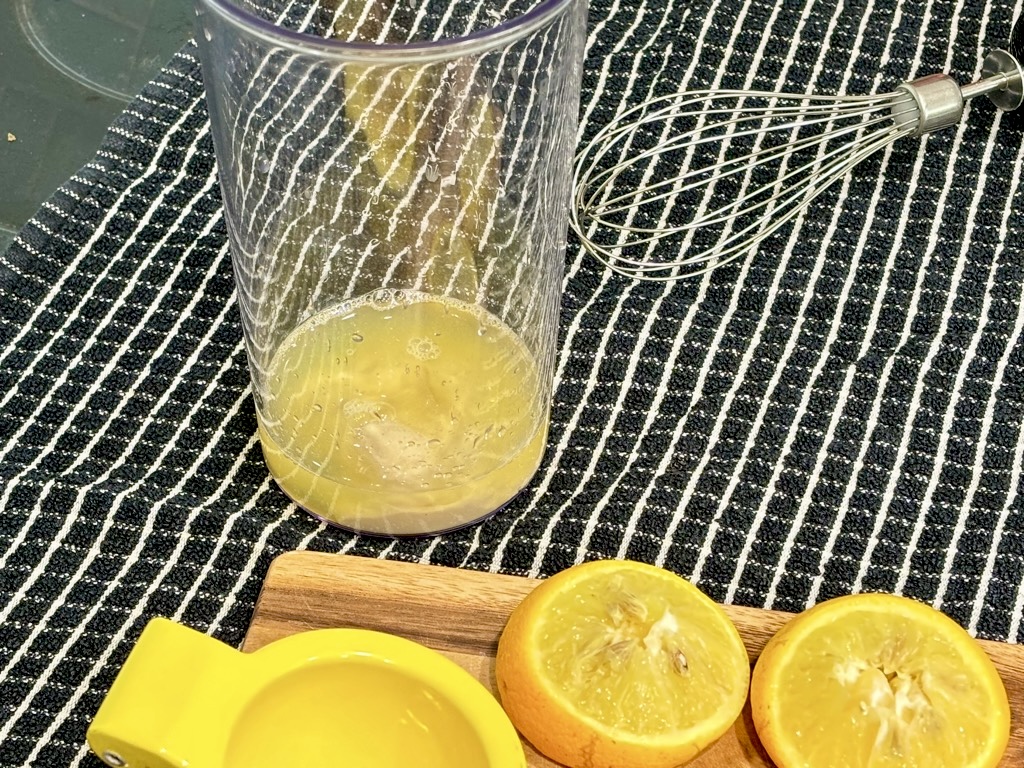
423, 348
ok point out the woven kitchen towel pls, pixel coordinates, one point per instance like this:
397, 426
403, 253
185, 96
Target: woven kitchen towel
841, 411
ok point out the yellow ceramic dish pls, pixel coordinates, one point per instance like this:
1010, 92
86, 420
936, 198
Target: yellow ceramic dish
320, 699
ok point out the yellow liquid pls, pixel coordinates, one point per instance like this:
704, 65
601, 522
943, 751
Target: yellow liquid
402, 413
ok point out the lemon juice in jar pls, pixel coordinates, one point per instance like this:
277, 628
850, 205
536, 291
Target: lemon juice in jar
402, 413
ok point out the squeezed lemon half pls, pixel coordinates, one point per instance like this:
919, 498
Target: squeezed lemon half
878, 681
618, 664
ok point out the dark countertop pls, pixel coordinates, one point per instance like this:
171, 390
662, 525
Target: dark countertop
69, 67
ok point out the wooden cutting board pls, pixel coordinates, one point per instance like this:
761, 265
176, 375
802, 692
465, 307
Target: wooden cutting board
461, 614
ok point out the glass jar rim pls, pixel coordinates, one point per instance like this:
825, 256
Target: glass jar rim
491, 38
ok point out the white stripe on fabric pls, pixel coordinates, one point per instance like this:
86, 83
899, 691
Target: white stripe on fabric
572, 331
887, 495
816, 371
71, 517
872, 420
969, 353
126, 565
738, 376
775, 380
1013, 502
69, 274
987, 422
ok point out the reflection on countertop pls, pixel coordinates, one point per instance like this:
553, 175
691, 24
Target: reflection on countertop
68, 69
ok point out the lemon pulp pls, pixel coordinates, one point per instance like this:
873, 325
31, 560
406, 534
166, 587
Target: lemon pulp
632, 656
879, 682
402, 412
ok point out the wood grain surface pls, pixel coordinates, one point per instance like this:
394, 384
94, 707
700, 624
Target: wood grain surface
461, 614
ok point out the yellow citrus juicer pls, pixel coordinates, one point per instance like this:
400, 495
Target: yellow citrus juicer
318, 699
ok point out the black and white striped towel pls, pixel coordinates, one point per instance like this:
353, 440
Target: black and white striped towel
841, 412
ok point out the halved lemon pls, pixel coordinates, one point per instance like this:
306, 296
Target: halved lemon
618, 664
878, 681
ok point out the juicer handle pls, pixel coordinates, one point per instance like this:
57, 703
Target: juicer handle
162, 708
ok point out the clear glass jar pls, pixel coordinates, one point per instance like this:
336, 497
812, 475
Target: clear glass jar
396, 179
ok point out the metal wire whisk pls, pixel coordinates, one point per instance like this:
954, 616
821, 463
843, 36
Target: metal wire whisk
709, 174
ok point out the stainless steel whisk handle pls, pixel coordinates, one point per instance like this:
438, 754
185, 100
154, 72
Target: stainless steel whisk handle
1017, 40
938, 100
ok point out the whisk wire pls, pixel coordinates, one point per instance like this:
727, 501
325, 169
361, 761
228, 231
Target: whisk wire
806, 182
792, 203
667, 187
733, 214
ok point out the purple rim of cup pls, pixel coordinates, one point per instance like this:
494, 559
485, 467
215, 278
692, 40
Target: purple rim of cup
485, 39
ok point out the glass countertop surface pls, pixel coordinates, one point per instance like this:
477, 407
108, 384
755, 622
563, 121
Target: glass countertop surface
69, 68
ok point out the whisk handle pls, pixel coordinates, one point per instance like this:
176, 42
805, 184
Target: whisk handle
1006, 92
1016, 47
